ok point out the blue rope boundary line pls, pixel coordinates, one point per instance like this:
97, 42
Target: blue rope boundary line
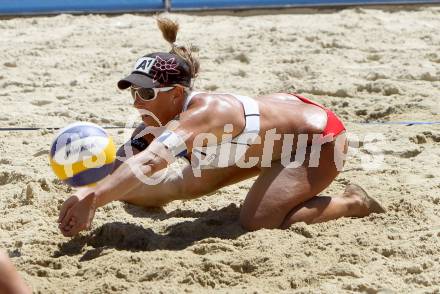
49, 128
405, 123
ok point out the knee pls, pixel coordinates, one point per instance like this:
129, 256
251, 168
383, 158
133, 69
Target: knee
254, 223
289, 222
248, 224
296, 217
249, 219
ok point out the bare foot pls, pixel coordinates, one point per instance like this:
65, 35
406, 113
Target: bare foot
369, 204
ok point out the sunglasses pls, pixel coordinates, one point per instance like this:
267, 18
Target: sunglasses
147, 94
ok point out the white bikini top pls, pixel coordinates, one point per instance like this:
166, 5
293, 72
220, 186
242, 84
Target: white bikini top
232, 149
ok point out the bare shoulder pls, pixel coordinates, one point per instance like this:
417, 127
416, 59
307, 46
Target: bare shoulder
213, 102
213, 110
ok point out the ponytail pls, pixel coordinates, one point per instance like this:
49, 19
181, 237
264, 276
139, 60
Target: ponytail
169, 31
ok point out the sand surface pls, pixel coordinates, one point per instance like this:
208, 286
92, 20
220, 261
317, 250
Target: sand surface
366, 64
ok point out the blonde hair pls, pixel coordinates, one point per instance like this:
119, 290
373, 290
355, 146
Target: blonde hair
169, 29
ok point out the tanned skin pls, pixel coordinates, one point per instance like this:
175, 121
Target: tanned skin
10, 281
279, 197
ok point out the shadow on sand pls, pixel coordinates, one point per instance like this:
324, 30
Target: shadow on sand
221, 223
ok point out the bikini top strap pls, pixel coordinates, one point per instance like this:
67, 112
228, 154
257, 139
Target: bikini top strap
188, 99
251, 114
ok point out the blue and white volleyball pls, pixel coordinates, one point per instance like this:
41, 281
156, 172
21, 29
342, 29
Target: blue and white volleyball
82, 154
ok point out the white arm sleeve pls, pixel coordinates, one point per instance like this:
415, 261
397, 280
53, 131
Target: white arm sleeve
173, 142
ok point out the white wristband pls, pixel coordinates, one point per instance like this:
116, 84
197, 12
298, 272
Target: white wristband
173, 142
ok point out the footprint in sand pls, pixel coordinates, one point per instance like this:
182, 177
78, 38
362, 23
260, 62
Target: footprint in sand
10, 64
374, 76
374, 57
379, 87
41, 102
377, 114
5, 161
427, 76
418, 139
41, 152
11, 177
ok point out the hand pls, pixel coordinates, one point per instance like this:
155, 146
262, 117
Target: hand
77, 212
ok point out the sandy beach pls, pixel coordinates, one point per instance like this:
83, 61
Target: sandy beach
366, 64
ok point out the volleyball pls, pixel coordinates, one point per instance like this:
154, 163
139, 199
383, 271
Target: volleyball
81, 154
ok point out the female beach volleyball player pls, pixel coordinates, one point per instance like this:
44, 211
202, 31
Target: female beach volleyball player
227, 138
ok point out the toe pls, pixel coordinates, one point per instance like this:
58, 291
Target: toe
374, 206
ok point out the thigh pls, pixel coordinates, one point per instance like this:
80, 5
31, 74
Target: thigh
279, 189
183, 184
208, 181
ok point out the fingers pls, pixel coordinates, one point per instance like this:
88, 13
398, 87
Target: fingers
68, 216
68, 225
73, 228
72, 225
65, 207
67, 229
76, 229
76, 214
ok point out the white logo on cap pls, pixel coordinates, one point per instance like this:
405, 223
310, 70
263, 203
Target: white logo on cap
144, 64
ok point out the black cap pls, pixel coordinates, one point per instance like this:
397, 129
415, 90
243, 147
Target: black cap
158, 70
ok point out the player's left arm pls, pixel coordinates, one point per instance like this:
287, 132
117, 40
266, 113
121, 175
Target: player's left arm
173, 142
